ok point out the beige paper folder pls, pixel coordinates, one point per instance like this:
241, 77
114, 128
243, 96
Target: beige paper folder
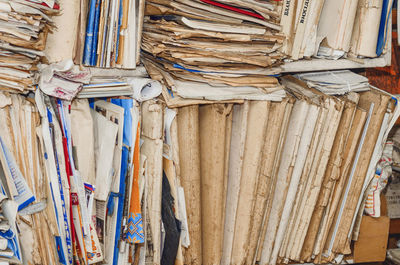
212, 152
255, 138
189, 158
152, 148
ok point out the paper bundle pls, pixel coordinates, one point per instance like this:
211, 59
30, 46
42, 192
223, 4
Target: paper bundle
220, 46
371, 28
106, 87
23, 193
127, 179
140, 88
24, 26
336, 82
113, 33
335, 28
281, 181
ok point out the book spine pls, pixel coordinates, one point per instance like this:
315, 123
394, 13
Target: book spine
87, 53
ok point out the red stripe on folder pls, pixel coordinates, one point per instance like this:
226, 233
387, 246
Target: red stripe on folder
235, 9
55, 7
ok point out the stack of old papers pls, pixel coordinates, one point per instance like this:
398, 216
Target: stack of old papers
139, 88
127, 179
280, 182
220, 46
113, 33
66, 168
24, 26
336, 82
335, 28
105, 88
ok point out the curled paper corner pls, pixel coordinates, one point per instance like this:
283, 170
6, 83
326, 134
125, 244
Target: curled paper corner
63, 79
144, 88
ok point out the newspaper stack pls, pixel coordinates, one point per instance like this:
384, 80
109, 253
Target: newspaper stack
336, 82
213, 46
24, 26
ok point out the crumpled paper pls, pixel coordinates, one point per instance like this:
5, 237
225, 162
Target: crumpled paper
62, 80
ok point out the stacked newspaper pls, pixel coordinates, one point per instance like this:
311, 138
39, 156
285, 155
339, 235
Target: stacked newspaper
24, 26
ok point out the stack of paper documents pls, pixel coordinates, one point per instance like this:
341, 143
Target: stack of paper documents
279, 182
371, 28
127, 179
223, 44
24, 26
226, 86
106, 88
113, 33
336, 82
140, 88
335, 28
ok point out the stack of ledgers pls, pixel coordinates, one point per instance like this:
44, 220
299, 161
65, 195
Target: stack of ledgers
129, 179
336, 28
24, 26
217, 49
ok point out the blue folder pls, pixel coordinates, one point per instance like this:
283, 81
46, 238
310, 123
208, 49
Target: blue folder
87, 52
383, 27
127, 104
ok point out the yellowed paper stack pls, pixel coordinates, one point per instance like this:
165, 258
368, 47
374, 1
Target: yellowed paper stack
209, 50
335, 28
24, 27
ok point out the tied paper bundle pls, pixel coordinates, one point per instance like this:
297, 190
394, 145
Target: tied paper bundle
336, 82
24, 26
336, 28
204, 49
